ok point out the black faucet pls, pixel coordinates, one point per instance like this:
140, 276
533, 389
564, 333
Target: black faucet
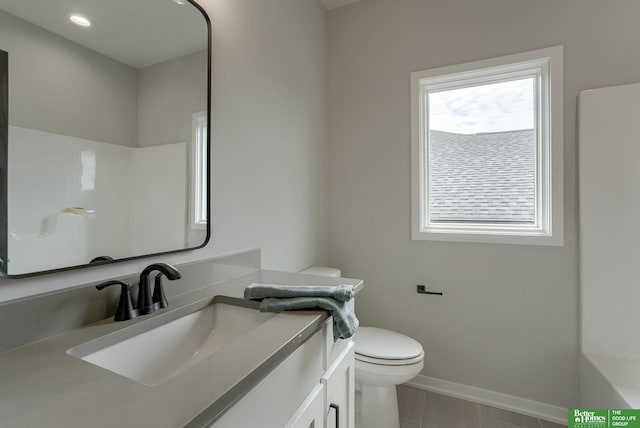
125, 310
146, 302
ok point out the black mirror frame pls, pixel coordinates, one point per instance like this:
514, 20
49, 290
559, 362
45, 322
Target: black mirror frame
4, 146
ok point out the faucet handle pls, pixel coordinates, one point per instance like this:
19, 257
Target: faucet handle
158, 292
125, 310
148, 303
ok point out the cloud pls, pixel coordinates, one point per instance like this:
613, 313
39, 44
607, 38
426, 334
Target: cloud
504, 106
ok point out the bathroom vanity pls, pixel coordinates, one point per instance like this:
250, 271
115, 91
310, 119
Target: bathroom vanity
275, 370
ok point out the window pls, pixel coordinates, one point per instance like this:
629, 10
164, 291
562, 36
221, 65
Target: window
487, 150
199, 185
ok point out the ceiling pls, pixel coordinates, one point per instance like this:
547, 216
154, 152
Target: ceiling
334, 4
138, 33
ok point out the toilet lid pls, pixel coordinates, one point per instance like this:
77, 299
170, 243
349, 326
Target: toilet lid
385, 344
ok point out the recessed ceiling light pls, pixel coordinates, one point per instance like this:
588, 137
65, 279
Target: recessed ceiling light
80, 20
180, 2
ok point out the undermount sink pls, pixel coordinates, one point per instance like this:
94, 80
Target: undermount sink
156, 351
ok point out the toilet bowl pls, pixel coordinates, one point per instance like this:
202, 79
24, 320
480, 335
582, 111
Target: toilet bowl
384, 359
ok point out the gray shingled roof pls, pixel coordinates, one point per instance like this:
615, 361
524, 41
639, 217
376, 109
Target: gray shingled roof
488, 177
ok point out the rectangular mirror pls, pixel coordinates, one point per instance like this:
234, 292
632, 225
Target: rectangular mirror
104, 131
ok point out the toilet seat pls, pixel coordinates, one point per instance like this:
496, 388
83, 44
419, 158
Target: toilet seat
389, 362
385, 347
386, 376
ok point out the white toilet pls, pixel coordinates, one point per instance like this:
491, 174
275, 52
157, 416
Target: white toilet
384, 359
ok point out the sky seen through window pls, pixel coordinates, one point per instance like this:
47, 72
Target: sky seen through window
494, 107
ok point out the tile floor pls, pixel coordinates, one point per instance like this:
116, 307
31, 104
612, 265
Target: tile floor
424, 409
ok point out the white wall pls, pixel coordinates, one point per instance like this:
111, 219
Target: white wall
269, 153
83, 95
269, 148
160, 198
168, 95
508, 321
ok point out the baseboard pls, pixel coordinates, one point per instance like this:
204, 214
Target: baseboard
525, 406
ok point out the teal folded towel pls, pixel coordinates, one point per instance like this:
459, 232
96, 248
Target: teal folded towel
342, 293
345, 322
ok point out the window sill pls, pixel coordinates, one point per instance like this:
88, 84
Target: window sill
505, 237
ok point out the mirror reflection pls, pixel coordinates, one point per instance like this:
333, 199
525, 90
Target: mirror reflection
107, 130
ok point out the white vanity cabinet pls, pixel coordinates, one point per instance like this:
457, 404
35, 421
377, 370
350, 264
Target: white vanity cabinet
313, 388
310, 414
339, 390
337, 385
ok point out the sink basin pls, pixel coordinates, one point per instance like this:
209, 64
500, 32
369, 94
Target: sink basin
156, 351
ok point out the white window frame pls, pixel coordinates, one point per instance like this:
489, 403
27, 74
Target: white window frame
198, 182
546, 66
